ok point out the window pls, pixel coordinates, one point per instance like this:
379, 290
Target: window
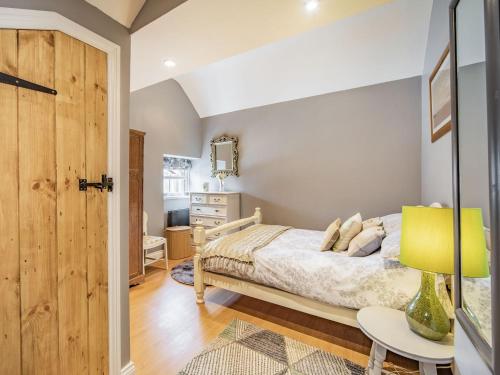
176, 177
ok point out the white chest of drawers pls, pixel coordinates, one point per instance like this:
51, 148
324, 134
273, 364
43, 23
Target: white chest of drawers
214, 209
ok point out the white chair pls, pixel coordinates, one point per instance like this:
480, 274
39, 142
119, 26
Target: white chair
152, 242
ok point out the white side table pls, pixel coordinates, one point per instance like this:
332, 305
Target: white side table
389, 331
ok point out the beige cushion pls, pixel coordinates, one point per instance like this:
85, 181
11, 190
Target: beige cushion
332, 233
348, 230
392, 223
390, 245
373, 222
366, 242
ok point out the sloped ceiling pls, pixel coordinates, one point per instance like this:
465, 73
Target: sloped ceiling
200, 32
230, 68
123, 11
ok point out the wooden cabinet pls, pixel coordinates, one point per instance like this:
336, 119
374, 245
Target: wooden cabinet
136, 173
179, 242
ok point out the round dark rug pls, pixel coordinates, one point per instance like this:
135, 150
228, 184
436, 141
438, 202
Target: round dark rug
184, 272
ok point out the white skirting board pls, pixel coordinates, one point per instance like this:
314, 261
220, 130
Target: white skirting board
129, 369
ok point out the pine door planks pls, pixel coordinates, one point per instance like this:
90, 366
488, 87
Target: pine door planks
10, 325
37, 205
71, 205
97, 219
53, 238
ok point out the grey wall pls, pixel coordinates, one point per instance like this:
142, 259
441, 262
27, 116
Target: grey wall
86, 15
172, 127
308, 161
152, 10
473, 130
436, 157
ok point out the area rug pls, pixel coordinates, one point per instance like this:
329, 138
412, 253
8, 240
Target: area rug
184, 272
245, 349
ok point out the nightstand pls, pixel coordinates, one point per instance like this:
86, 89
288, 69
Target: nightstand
389, 331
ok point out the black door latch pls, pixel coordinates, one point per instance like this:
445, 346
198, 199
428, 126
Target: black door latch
106, 183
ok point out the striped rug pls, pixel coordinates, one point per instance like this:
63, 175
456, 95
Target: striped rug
245, 349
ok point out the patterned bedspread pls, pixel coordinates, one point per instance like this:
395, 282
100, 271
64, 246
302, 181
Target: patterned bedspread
476, 295
293, 262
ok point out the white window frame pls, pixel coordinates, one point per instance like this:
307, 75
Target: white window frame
186, 185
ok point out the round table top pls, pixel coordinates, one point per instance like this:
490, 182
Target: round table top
388, 327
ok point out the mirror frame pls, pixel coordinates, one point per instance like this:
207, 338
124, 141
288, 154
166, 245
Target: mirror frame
492, 46
225, 172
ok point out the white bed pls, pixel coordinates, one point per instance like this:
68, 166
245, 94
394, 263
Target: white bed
291, 271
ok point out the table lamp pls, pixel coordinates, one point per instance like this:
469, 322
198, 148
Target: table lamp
427, 245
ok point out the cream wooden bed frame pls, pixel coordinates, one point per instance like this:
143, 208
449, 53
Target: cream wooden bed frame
203, 278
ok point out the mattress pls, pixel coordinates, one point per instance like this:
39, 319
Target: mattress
293, 262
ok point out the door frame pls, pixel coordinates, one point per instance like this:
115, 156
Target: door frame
13, 18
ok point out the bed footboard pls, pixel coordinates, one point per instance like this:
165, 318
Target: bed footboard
200, 235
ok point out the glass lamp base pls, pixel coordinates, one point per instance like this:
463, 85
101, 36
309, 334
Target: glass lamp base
425, 314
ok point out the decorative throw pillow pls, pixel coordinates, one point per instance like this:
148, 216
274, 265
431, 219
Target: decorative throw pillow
332, 233
373, 222
348, 230
366, 242
391, 245
392, 223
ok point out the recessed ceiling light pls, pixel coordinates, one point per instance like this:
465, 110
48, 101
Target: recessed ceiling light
169, 63
311, 5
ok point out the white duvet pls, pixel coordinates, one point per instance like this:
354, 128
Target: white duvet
293, 263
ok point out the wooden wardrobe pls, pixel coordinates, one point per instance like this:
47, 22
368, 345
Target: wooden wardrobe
53, 231
136, 176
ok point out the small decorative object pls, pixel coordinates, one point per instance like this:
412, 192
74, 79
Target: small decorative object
427, 245
221, 177
206, 187
440, 97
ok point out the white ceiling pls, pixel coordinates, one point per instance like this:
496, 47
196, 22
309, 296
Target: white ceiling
200, 32
123, 11
374, 45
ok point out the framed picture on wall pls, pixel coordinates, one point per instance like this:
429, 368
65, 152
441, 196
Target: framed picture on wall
440, 97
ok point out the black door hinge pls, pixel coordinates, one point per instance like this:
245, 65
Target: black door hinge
105, 184
18, 82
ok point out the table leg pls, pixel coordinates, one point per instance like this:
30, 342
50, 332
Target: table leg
427, 368
378, 363
372, 357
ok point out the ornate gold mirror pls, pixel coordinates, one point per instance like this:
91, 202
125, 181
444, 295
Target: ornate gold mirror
224, 156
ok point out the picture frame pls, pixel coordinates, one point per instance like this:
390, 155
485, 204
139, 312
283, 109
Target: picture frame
440, 97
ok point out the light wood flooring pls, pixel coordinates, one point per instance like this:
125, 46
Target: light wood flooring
168, 328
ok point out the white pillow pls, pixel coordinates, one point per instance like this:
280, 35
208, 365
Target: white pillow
373, 222
436, 205
391, 245
392, 223
332, 234
366, 242
348, 230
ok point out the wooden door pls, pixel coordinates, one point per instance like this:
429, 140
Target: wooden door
53, 237
136, 176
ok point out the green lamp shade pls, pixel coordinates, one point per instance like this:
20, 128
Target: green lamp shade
427, 239
474, 255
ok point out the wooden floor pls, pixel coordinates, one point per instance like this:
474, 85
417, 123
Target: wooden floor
168, 328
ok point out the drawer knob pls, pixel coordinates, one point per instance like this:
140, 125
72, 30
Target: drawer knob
216, 210
217, 222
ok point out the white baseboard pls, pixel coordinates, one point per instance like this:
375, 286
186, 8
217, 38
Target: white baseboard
129, 369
